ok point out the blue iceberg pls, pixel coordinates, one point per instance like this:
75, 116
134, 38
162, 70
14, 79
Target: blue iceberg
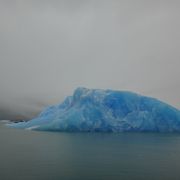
94, 110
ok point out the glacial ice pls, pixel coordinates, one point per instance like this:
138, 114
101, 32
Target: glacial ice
94, 110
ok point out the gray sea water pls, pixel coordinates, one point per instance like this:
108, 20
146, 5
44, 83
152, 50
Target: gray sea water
33, 155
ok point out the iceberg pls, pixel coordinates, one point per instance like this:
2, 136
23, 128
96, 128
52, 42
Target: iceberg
95, 110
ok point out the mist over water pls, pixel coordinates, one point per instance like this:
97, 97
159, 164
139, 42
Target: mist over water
49, 48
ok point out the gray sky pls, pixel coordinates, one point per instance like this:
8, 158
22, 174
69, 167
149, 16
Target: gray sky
48, 48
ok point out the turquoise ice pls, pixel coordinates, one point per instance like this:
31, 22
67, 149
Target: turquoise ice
94, 110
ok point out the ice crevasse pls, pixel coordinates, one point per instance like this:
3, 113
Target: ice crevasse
95, 110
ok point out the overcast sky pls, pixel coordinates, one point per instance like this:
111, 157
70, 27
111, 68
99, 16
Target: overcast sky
48, 48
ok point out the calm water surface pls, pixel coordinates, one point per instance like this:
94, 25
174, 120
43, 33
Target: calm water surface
35, 155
